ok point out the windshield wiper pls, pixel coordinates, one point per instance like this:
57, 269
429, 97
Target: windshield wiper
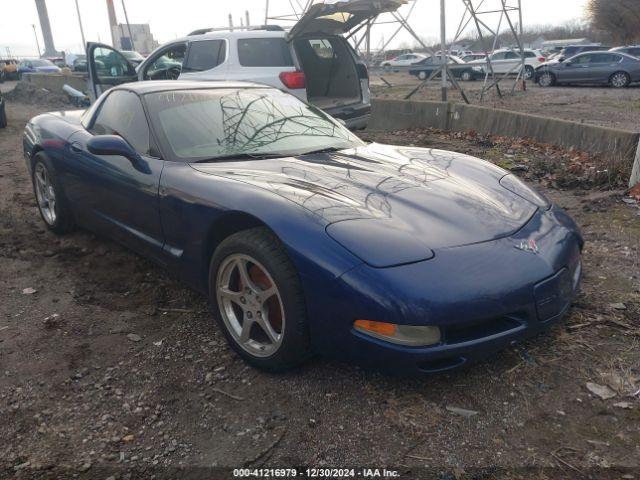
241, 156
323, 150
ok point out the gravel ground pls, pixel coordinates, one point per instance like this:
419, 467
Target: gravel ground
602, 106
111, 368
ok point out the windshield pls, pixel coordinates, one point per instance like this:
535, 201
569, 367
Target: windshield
200, 125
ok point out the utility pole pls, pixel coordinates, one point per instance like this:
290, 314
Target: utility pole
443, 49
126, 19
84, 43
266, 14
36, 35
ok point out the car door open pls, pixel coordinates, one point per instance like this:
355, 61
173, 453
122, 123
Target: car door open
107, 68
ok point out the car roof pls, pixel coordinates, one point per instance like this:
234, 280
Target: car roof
231, 34
156, 86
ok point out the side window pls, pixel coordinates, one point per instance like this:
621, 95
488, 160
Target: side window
167, 64
582, 60
205, 55
604, 58
529, 55
264, 52
110, 63
512, 56
122, 114
499, 56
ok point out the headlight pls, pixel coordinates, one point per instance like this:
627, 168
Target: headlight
407, 335
379, 242
515, 185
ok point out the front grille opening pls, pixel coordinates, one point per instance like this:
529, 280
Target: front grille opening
469, 332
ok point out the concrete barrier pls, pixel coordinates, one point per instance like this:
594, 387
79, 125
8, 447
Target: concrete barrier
55, 81
400, 114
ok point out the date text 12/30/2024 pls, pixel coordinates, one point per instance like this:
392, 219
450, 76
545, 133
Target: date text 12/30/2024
315, 473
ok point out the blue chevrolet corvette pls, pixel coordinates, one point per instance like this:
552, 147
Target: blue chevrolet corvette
305, 239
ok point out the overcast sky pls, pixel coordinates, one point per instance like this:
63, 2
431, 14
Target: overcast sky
171, 19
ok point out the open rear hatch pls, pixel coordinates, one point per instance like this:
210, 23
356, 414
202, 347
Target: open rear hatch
334, 76
336, 17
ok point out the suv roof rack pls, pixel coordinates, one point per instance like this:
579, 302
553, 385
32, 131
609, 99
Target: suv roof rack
268, 28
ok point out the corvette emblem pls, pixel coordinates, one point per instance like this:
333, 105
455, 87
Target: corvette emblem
530, 246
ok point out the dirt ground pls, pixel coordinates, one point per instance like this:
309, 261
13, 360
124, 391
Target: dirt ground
111, 369
601, 106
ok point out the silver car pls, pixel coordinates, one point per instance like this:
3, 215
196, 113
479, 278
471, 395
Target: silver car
591, 68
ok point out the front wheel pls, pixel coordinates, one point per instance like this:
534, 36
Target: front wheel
620, 80
257, 298
422, 75
466, 76
547, 79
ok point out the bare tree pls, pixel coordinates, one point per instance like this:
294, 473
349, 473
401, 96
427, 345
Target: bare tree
620, 18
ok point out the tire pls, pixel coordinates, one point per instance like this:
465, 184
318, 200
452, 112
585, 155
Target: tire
3, 115
620, 80
266, 267
547, 79
466, 76
529, 72
62, 221
422, 75
386, 68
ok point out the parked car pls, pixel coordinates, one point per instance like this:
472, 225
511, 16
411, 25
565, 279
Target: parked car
319, 68
3, 112
37, 65
405, 60
306, 239
134, 57
80, 63
631, 50
616, 69
573, 50
58, 61
508, 61
425, 68
474, 56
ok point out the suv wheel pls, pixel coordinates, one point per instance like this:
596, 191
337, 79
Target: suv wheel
529, 72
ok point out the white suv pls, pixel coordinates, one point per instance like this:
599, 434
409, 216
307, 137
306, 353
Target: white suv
507, 61
313, 61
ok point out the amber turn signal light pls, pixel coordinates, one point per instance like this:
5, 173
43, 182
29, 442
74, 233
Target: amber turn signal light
407, 335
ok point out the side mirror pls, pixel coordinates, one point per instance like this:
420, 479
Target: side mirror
115, 145
112, 145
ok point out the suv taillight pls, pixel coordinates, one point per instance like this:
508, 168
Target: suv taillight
293, 80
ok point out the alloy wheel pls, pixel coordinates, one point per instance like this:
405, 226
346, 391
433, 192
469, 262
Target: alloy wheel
250, 305
45, 194
619, 80
546, 80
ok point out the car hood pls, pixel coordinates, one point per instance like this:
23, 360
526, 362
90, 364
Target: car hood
444, 198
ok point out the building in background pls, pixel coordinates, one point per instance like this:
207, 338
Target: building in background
142, 41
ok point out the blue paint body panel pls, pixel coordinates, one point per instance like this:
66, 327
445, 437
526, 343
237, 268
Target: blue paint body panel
403, 235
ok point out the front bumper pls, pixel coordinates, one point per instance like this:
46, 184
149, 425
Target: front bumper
484, 297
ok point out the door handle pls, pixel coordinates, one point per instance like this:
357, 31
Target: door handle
76, 147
